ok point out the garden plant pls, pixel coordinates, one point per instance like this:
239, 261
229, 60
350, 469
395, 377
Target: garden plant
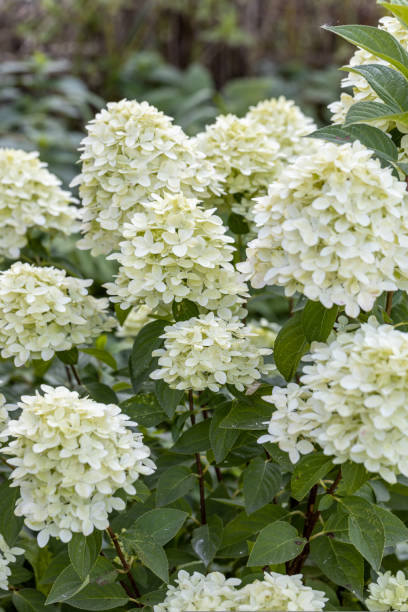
223, 424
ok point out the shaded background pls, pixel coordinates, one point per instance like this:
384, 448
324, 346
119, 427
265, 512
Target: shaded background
63, 59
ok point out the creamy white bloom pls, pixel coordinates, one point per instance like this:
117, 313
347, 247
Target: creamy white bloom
390, 592
354, 402
7, 556
207, 352
291, 422
135, 320
30, 197
176, 250
249, 152
333, 227
280, 592
71, 456
42, 310
132, 151
214, 592
197, 592
361, 90
4, 417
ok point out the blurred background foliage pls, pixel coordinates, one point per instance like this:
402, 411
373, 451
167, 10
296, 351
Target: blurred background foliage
62, 59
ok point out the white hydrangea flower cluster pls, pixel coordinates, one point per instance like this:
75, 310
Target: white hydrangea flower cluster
361, 90
390, 592
71, 456
198, 592
132, 151
30, 196
279, 592
4, 417
7, 556
214, 592
333, 227
208, 352
354, 402
249, 152
42, 310
176, 250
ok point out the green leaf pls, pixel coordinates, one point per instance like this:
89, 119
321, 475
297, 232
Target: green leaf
184, 310
389, 85
242, 526
168, 398
67, 584
238, 224
290, 346
101, 355
207, 539
122, 314
368, 135
150, 553
173, 484
318, 321
361, 112
141, 360
276, 543
55, 567
83, 552
262, 481
222, 440
353, 476
30, 600
340, 562
69, 357
144, 409
394, 529
308, 471
399, 9
162, 524
194, 440
10, 524
96, 597
379, 42
366, 531
246, 416
101, 393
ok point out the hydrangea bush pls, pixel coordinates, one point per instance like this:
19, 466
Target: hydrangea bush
222, 424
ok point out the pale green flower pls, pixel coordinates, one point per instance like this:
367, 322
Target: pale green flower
30, 197
7, 556
390, 592
208, 352
42, 310
71, 456
361, 90
333, 227
131, 152
176, 250
264, 332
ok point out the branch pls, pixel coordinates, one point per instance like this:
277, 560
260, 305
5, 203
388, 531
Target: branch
125, 564
203, 513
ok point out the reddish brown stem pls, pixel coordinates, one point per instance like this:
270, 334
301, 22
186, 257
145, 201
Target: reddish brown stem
203, 513
388, 305
124, 563
76, 375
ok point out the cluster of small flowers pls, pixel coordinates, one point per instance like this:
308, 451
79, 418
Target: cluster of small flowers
264, 332
362, 91
7, 556
214, 592
42, 310
71, 455
249, 152
135, 320
388, 593
353, 402
176, 250
208, 352
30, 196
131, 152
333, 227
4, 417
